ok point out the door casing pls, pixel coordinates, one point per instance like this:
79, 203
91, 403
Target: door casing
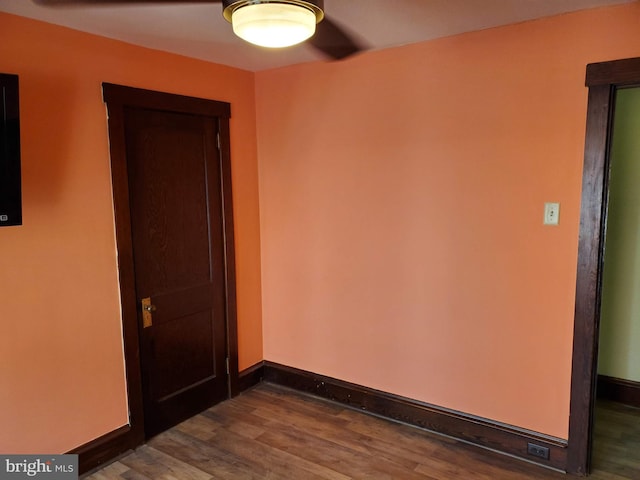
603, 80
118, 97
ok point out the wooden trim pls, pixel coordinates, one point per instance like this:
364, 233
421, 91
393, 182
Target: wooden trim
603, 79
120, 186
621, 73
230, 255
250, 377
619, 390
105, 448
468, 428
140, 97
589, 278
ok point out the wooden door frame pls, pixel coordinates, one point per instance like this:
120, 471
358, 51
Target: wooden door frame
603, 80
117, 98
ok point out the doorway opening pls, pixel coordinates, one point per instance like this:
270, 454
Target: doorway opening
617, 414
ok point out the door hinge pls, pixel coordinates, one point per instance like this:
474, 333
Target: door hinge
218, 139
227, 364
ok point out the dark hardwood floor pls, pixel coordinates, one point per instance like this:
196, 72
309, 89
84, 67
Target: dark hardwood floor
271, 432
616, 453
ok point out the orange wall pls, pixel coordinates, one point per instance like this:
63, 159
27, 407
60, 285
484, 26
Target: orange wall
401, 197
61, 364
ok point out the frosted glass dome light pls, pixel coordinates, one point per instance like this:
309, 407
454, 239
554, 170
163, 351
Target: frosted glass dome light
274, 24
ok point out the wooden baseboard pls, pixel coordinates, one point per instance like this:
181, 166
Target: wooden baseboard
479, 431
250, 377
105, 448
619, 390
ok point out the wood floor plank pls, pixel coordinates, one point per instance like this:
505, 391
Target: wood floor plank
331, 428
409, 438
270, 393
274, 433
204, 455
487, 464
616, 442
301, 411
111, 471
244, 423
340, 435
199, 427
442, 470
236, 455
271, 458
153, 463
345, 460
133, 475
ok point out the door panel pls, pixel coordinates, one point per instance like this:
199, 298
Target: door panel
182, 360
178, 252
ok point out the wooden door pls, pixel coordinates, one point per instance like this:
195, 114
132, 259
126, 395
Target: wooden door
177, 228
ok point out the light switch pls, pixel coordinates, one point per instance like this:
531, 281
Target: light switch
551, 213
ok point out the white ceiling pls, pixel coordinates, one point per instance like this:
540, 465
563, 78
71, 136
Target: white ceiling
200, 31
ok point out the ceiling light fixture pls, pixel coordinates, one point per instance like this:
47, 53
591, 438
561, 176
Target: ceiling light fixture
274, 23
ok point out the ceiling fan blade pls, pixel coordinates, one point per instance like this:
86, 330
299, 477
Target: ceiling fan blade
69, 3
333, 41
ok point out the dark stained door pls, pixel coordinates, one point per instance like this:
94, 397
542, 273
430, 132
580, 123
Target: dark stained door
177, 233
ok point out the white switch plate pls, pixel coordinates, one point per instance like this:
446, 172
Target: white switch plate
551, 213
